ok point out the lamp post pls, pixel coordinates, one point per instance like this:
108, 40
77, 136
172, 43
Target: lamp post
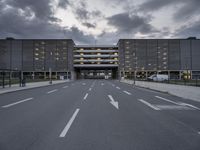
50, 70
135, 71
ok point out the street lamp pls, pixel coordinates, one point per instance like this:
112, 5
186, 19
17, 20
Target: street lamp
50, 71
135, 72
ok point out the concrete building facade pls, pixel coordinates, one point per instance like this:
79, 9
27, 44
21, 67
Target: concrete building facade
174, 57
38, 58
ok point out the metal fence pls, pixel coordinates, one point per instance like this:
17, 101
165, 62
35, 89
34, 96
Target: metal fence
189, 82
9, 77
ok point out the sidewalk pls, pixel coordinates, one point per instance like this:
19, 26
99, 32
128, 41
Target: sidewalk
31, 85
187, 92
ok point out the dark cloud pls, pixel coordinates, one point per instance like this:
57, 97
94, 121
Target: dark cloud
41, 8
23, 26
154, 5
89, 25
127, 23
184, 10
79, 36
83, 14
63, 3
189, 30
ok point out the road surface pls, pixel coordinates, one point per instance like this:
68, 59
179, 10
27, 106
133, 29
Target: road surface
97, 115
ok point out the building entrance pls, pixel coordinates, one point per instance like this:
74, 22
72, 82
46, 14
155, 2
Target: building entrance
96, 73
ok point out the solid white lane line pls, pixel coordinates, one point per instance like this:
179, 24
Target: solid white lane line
52, 91
65, 87
148, 104
90, 89
127, 92
66, 129
167, 100
118, 87
86, 95
12, 104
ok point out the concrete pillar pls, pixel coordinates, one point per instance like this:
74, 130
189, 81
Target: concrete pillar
169, 75
179, 75
56, 75
73, 75
146, 74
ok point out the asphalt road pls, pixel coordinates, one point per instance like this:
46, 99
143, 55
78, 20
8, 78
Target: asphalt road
97, 115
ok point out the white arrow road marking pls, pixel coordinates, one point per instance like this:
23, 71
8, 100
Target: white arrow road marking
66, 129
12, 104
178, 103
167, 100
148, 104
52, 91
127, 92
86, 95
118, 87
189, 105
113, 102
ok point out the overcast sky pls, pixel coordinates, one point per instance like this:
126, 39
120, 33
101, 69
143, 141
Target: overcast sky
103, 21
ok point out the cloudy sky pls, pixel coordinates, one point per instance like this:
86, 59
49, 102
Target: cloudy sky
103, 21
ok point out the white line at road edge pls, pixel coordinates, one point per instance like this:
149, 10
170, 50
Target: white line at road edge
52, 91
127, 92
12, 104
86, 95
148, 104
66, 129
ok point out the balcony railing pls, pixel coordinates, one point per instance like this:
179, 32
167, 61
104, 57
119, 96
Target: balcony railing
98, 51
96, 56
96, 60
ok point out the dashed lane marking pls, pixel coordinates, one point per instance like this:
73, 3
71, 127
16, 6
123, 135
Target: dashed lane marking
127, 92
52, 91
86, 95
67, 127
12, 104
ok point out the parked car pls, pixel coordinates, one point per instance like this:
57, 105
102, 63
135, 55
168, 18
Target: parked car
158, 77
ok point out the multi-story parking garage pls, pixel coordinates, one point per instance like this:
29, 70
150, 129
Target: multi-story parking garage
40, 58
96, 61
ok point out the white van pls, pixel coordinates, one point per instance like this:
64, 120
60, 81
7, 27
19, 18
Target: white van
158, 77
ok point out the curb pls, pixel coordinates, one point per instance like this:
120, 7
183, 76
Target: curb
16, 90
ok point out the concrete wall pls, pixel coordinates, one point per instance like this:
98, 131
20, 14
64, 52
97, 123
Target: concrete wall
188, 92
